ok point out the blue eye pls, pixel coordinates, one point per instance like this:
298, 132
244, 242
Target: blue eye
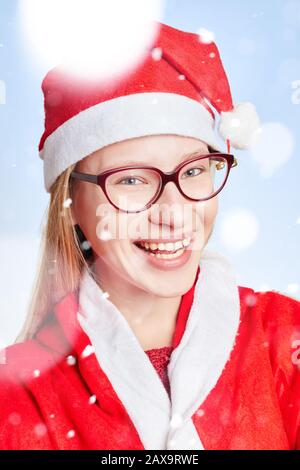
129, 179
192, 169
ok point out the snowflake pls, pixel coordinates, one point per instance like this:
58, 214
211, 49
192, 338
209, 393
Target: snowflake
292, 288
250, 300
71, 360
200, 412
88, 350
40, 429
70, 434
156, 53
67, 202
92, 399
36, 373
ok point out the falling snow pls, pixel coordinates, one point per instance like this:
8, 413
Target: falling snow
156, 53
71, 360
88, 350
273, 148
250, 300
92, 399
70, 434
40, 429
293, 288
67, 202
200, 412
239, 229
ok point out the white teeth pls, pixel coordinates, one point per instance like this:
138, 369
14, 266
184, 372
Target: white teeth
153, 246
169, 255
167, 246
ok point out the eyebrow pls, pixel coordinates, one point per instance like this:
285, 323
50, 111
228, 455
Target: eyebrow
132, 162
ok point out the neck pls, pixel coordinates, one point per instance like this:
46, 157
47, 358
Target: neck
151, 317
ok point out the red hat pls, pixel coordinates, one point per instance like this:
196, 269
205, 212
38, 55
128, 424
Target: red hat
173, 91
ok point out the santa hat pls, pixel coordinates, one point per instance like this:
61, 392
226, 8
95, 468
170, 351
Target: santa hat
173, 91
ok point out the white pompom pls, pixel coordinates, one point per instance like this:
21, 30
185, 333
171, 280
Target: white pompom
241, 125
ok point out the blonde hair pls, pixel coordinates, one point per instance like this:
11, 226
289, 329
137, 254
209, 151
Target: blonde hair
61, 258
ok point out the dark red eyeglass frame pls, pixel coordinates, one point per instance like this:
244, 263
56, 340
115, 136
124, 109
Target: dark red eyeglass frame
165, 177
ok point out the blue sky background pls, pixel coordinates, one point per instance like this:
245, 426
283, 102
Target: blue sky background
259, 42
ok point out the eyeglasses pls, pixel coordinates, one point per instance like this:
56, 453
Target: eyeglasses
135, 188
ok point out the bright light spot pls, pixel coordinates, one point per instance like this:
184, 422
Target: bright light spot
181, 77
273, 147
91, 38
92, 399
52, 415
250, 300
264, 288
205, 36
36, 373
156, 53
40, 429
67, 202
71, 360
70, 433
2, 92
88, 350
292, 288
298, 220
105, 295
200, 412
239, 230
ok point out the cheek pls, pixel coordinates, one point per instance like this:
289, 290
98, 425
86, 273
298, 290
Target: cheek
88, 206
210, 212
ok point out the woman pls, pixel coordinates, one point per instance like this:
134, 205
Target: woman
138, 336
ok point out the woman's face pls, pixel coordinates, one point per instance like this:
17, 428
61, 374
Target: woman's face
113, 234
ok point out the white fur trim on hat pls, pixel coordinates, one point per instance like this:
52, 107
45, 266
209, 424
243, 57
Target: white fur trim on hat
122, 118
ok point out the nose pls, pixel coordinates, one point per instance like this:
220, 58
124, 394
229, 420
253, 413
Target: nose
170, 208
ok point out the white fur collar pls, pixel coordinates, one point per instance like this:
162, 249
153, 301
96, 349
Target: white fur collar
195, 364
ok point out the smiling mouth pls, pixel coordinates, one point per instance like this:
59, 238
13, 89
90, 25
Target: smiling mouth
164, 250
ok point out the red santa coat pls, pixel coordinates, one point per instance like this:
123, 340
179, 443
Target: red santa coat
84, 381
